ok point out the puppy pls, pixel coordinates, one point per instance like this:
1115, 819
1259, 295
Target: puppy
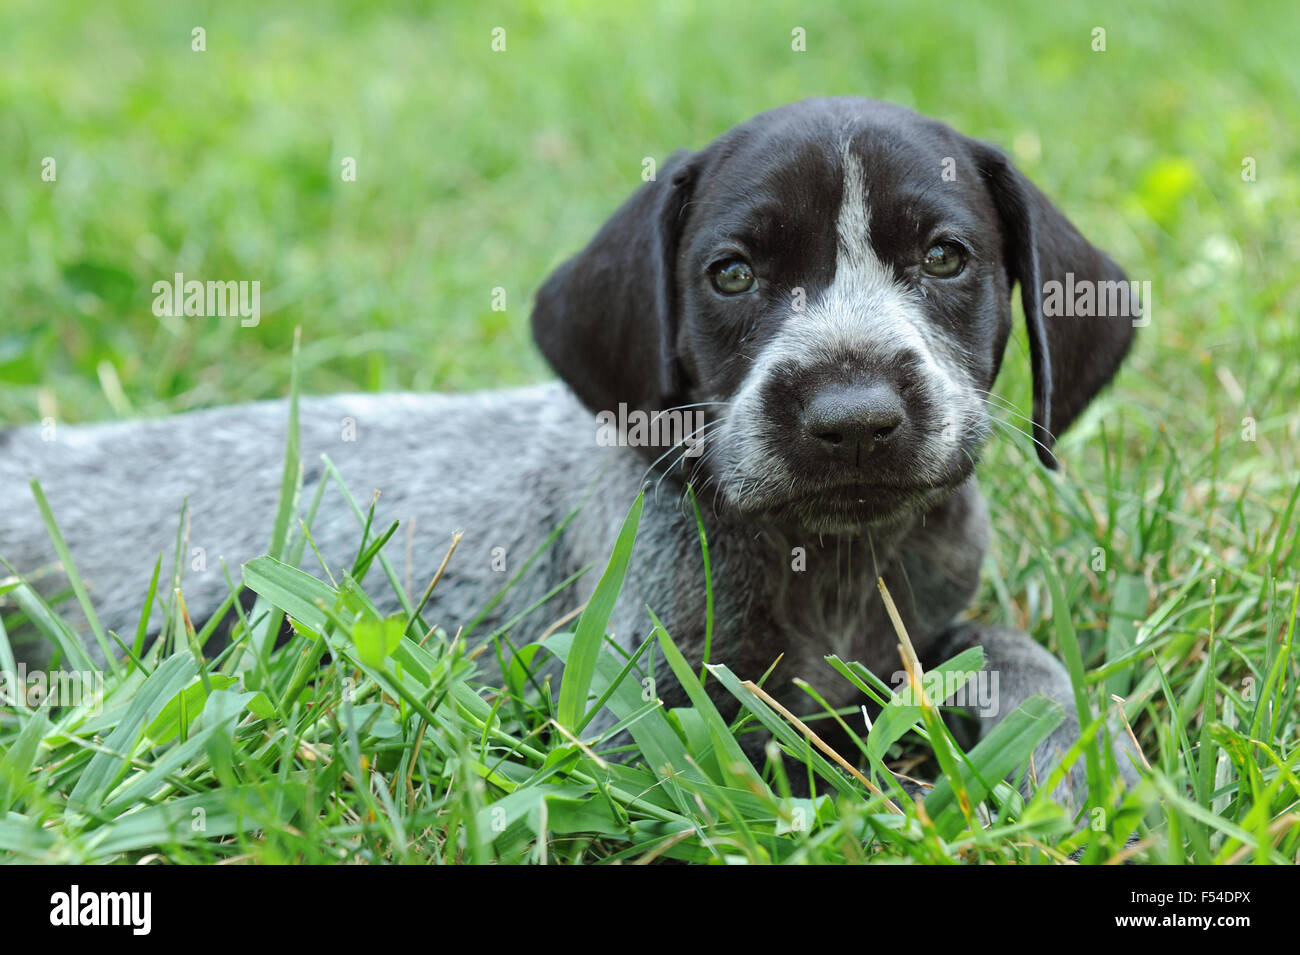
823, 295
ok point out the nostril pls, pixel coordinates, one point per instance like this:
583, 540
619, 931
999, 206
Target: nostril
882, 433
830, 437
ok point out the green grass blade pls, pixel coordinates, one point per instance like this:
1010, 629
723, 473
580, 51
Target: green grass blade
1005, 749
590, 631
74, 578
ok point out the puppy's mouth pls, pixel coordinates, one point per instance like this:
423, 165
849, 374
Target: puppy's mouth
847, 507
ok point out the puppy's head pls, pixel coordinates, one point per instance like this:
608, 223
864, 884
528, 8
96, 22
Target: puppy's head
829, 284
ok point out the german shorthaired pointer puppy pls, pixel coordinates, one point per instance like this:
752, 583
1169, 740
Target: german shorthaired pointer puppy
824, 293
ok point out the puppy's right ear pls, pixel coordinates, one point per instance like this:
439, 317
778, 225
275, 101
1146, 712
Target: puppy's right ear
1073, 358
606, 319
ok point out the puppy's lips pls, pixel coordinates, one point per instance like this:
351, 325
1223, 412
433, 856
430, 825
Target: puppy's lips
862, 498
843, 501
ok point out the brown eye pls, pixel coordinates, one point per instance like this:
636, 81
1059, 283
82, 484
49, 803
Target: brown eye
732, 276
944, 260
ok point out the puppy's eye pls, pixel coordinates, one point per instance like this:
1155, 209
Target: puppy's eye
944, 260
732, 276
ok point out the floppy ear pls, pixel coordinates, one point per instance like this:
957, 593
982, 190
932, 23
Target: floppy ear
1073, 355
606, 319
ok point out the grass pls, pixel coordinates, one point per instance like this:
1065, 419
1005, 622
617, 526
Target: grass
1162, 565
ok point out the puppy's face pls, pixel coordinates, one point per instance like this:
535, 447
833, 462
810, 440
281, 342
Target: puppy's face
830, 282
849, 305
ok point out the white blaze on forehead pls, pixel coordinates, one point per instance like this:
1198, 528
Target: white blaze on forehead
853, 225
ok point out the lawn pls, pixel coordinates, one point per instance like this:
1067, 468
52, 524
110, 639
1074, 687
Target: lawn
1166, 556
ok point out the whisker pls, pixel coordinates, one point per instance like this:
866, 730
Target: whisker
1020, 431
655, 463
705, 428
1006, 405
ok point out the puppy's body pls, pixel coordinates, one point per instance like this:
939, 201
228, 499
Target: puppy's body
502, 447
816, 284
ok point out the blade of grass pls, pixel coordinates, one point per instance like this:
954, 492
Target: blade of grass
590, 631
74, 578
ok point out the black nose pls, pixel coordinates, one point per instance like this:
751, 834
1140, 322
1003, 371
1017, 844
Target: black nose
854, 420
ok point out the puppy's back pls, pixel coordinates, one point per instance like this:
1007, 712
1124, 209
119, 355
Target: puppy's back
476, 462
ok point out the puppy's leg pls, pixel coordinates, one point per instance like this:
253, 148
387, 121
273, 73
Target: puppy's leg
1023, 668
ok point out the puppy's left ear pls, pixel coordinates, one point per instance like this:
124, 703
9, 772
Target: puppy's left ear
606, 319
1073, 356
